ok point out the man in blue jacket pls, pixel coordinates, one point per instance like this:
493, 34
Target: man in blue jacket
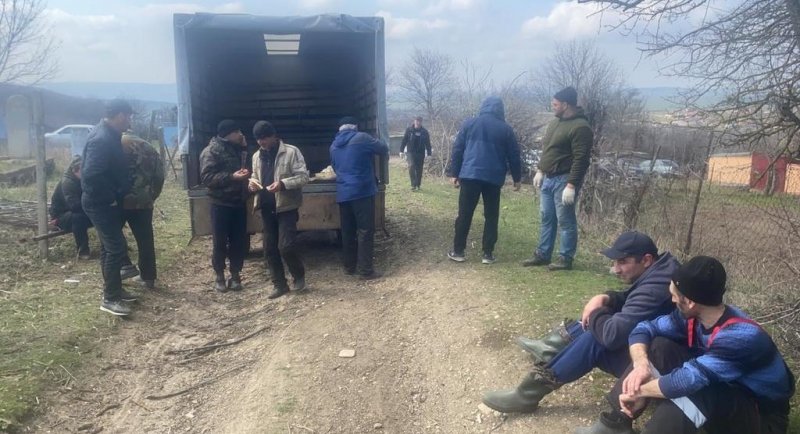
352, 155
105, 182
600, 338
484, 151
721, 371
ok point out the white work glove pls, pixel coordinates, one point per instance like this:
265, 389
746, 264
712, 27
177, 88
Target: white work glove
568, 196
538, 178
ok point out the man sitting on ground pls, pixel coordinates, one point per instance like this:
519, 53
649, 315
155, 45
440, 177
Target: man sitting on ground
66, 211
600, 338
723, 372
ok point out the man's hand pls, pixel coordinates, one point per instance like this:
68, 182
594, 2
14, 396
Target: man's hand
640, 374
253, 186
594, 303
631, 404
568, 196
517, 186
538, 178
240, 175
275, 187
455, 182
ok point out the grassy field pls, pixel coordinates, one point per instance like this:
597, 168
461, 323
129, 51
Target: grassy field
48, 327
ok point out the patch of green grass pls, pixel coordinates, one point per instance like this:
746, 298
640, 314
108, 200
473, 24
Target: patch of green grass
48, 327
286, 406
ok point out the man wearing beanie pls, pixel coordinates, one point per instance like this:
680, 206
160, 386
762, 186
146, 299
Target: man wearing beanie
352, 154
566, 151
600, 338
706, 364
224, 171
279, 173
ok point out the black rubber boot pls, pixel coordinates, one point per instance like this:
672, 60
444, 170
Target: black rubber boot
543, 350
609, 423
525, 398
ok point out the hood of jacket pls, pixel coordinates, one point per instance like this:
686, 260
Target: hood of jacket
342, 137
493, 106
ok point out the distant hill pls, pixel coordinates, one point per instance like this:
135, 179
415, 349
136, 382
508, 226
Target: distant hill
155, 93
58, 109
668, 98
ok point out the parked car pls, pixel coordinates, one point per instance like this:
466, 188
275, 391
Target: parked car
62, 137
661, 168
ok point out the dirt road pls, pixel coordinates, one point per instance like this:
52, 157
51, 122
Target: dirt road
428, 338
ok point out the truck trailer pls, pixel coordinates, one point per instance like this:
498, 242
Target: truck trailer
302, 74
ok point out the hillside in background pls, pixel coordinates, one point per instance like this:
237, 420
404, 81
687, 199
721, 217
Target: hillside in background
155, 93
58, 109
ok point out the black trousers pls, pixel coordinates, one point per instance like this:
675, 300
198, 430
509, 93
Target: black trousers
358, 234
78, 223
727, 408
107, 221
229, 233
472, 190
141, 223
280, 245
416, 161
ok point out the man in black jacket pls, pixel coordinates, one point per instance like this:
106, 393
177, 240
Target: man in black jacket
66, 211
105, 182
416, 142
600, 339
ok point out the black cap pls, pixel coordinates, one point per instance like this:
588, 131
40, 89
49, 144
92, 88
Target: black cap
568, 95
263, 129
631, 243
701, 280
117, 106
348, 120
226, 127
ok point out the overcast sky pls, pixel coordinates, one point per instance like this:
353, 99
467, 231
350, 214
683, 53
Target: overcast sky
131, 40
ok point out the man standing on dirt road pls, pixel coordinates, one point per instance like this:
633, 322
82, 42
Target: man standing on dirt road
352, 158
566, 152
279, 173
722, 372
105, 182
485, 150
416, 142
223, 170
600, 338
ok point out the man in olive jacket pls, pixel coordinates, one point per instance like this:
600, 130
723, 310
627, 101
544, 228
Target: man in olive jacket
223, 170
66, 211
279, 173
566, 153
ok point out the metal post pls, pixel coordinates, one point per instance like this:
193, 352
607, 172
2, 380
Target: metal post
37, 130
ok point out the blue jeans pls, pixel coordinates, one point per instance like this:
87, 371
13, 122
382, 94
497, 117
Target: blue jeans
554, 215
585, 353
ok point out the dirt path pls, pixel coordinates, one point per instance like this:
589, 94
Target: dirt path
425, 338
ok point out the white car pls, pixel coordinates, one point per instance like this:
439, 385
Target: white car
62, 137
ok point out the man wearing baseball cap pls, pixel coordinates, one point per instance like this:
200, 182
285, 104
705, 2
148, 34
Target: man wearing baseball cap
722, 371
600, 338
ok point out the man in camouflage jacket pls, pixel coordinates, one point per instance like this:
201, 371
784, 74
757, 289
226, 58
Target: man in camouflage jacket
146, 172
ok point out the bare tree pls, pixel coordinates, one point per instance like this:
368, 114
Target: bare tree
27, 51
428, 81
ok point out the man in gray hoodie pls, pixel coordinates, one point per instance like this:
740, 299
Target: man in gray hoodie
600, 338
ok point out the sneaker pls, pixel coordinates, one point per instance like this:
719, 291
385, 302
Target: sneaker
278, 291
128, 271
561, 263
147, 284
235, 284
458, 257
535, 261
488, 258
371, 276
127, 296
219, 284
116, 307
300, 284
84, 254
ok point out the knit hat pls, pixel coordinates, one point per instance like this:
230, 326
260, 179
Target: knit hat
568, 95
263, 129
117, 106
631, 243
701, 280
226, 127
348, 120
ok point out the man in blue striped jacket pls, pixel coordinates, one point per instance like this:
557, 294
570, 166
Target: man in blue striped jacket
722, 371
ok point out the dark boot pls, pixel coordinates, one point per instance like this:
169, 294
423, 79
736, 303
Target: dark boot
609, 423
535, 261
219, 283
525, 398
561, 263
235, 282
543, 350
278, 291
